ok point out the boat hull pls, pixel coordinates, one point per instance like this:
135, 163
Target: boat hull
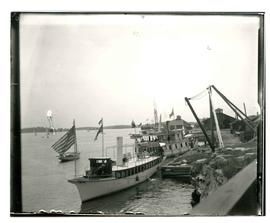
90, 189
69, 157
175, 149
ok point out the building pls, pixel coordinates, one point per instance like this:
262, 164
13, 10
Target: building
224, 120
178, 124
239, 127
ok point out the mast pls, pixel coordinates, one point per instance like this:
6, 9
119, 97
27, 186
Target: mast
159, 124
200, 124
102, 134
221, 145
211, 120
75, 149
245, 109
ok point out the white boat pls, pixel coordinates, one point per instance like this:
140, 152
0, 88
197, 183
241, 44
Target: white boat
169, 142
104, 178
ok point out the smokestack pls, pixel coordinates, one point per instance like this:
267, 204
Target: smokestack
119, 160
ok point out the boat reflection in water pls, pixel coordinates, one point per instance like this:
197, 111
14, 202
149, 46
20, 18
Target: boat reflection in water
155, 196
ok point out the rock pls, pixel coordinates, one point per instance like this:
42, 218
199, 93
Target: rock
219, 171
240, 149
228, 149
201, 160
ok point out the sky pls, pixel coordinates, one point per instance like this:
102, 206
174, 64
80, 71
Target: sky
118, 67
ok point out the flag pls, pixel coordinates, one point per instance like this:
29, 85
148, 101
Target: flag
100, 122
172, 113
100, 130
65, 142
133, 125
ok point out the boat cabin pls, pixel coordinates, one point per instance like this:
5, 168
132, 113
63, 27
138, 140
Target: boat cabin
100, 167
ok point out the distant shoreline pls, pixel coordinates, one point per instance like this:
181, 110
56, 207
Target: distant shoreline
44, 129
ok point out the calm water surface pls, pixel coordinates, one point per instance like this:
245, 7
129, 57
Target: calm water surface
45, 183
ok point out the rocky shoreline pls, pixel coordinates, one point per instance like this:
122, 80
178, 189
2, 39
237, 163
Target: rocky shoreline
211, 170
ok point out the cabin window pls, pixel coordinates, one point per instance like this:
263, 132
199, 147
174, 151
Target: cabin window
132, 171
118, 175
123, 173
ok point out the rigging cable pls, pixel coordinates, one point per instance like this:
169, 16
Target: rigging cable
199, 95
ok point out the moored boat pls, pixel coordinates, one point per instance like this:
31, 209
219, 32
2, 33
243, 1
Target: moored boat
65, 143
104, 177
69, 156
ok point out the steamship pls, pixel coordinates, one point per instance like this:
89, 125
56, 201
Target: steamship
106, 177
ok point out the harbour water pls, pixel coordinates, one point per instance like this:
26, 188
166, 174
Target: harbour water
45, 186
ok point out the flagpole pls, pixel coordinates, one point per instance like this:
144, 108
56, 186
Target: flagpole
102, 143
102, 138
75, 149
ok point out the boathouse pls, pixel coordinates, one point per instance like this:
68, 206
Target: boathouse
224, 120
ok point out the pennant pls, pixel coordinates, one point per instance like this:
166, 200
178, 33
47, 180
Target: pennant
101, 121
172, 113
100, 130
133, 125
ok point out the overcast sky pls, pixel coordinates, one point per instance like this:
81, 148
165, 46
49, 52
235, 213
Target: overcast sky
118, 66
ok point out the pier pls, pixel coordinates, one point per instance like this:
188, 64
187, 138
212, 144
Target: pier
237, 197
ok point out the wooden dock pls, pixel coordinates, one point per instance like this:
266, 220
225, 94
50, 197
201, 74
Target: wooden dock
237, 197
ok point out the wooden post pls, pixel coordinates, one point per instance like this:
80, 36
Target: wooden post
102, 143
15, 133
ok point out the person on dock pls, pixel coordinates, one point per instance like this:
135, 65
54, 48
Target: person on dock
196, 197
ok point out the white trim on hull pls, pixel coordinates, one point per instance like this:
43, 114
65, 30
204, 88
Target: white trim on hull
96, 188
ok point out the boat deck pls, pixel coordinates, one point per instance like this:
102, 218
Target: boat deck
134, 162
130, 164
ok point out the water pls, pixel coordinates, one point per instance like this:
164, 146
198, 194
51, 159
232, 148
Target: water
45, 186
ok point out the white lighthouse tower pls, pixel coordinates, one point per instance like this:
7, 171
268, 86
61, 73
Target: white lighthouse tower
51, 128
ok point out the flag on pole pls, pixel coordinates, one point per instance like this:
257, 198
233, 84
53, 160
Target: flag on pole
65, 142
100, 130
172, 113
133, 125
100, 122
